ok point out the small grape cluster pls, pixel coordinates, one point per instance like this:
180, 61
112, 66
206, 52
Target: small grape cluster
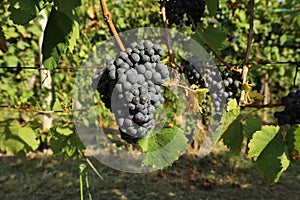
232, 82
176, 10
291, 113
231, 79
191, 69
193, 74
130, 87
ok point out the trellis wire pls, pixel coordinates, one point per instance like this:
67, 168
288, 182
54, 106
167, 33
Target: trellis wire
297, 63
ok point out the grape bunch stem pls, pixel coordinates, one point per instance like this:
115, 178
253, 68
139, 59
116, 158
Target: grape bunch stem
108, 19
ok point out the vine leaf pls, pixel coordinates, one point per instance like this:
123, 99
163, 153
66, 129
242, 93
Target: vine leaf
212, 6
260, 140
67, 7
61, 33
74, 36
215, 37
195, 100
252, 125
163, 148
269, 152
57, 105
22, 11
233, 112
233, 136
65, 140
293, 141
15, 138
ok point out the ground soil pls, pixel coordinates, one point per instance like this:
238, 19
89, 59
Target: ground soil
219, 175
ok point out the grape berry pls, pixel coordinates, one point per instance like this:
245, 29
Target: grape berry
189, 11
130, 87
291, 113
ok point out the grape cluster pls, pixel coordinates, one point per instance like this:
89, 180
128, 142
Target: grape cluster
130, 87
231, 79
291, 113
232, 82
176, 10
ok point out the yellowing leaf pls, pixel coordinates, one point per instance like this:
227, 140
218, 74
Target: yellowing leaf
249, 96
256, 96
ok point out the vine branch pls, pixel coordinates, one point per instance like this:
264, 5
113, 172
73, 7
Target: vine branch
40, 111
269, 105
248, 50
108, 19
229, 66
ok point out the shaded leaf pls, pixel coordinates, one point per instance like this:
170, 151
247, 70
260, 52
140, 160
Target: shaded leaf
163, 148
215, 37
22, 11
252, 125
65, 141
293, 140
232, 113
233, 136
212, 6
56, 40
67, 7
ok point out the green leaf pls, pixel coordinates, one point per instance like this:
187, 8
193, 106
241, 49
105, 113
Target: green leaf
212, 6
65, 141
74, 36
212, 36
57, 105
229, 117
260, 140
67, 7
252, 125
163, 148
233, 136
29, 137
26, 134
269, 152
293, 139
64, 131
22, 11
15, 138
56, 39
11, 145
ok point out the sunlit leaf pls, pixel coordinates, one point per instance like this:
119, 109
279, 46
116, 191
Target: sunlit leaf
269, 151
